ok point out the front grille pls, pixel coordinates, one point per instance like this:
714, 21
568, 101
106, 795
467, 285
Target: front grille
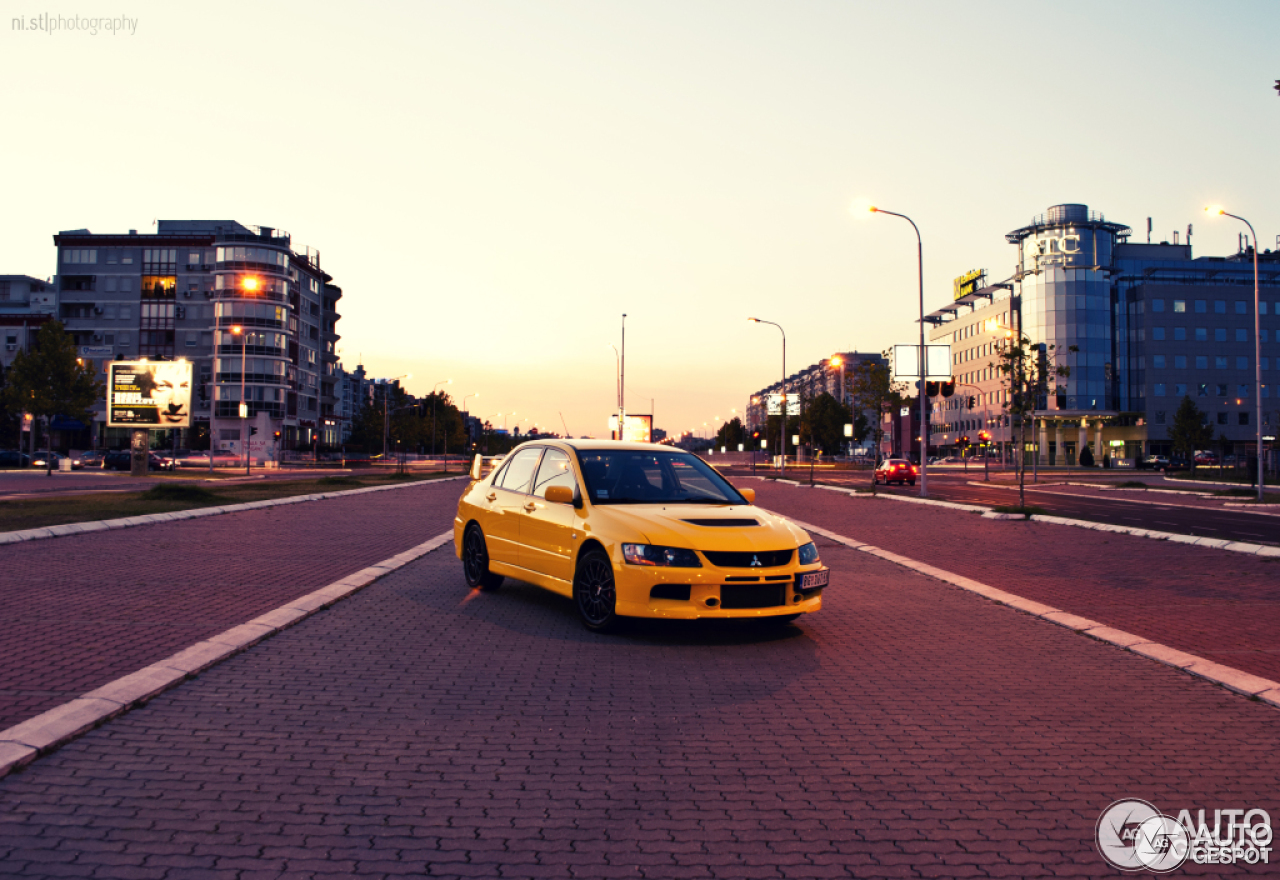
671, 591
763, 559
753, 595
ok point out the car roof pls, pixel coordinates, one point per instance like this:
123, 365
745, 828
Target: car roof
590, 445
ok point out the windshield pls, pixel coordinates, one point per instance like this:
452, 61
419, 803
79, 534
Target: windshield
634, 477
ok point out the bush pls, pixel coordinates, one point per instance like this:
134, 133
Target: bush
1086, 457
338, 481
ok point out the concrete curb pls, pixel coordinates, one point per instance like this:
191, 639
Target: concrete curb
1233, 679
130, 521
28, 740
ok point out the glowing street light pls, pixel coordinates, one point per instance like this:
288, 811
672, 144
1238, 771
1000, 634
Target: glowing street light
1215, 211
924, 424
782, 434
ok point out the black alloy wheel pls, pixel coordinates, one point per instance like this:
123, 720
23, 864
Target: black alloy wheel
475, 561
594, 592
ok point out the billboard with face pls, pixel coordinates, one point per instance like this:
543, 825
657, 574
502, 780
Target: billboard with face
149, 394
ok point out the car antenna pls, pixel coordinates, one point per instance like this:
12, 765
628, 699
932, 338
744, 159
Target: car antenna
566, 427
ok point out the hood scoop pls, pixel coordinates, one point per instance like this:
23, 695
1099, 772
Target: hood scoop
722, 523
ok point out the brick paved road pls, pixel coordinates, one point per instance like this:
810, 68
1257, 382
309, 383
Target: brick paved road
83, 610
910, 729
1221, 605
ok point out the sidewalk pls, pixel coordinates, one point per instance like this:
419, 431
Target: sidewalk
1219, 605
86, 609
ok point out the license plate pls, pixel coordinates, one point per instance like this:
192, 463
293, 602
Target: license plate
813, 580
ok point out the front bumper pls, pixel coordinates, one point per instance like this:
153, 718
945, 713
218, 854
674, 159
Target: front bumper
709, 592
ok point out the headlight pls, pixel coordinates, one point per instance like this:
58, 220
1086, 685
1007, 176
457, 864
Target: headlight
808, 554
652, 554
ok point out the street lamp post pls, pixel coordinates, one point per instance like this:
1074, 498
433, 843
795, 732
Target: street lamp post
237, 330
386, 413
924, 425
782, 440
1257, 344
434, 403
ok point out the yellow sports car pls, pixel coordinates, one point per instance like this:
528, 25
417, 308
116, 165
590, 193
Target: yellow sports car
633, 530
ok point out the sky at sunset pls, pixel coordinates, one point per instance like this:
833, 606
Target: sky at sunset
494, 184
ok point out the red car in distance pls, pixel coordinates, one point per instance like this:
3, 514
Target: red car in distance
896, 470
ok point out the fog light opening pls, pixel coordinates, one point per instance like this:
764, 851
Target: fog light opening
797, 597
712, 601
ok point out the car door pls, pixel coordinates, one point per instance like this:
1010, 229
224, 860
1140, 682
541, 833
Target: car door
547, 530
507, 498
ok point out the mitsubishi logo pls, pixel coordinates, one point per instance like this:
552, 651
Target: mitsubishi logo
755, 561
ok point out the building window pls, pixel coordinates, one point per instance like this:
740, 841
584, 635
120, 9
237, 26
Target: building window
1222, 418
1157, 305
1220, 334
1159, 390
1242, 363
1219, 363
1180, 361
1242, 391
1241, 307
1262, 336
1202, 307
1220, 306
1202, 334
1180, 390
1180, 334
1159, 417
1222, 390
1241, 336
79, 255
1157, 334
113, 256
1179, 305
1157, 362
1202, 390
1265, 362
1244, 418
1202, 363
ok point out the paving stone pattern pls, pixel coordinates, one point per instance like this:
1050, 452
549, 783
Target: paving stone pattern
910, 729
1221, 605
83, 610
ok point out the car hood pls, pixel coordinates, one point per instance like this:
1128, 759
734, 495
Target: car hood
670, 525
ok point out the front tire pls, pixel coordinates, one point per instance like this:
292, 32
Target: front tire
595, 593
475, 561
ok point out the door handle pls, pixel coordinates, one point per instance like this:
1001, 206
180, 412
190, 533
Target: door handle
531, 507
492, 496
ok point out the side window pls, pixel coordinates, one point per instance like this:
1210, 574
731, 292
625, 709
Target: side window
555, 470
515, 476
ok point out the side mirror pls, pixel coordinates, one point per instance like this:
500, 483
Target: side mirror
749, 494
558, 495
477, 465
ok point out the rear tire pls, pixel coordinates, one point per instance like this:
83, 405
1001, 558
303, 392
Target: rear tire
595, 593
475, 561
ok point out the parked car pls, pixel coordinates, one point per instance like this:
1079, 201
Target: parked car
1156, 461
11, 458
93, 458
1203, 457
1178, 464
896, 470
54, 460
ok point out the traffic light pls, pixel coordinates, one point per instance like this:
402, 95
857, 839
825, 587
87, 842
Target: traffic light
948, 388
1278, 85
972, 400
253, 429
277, 435
984, 437
931, 389
964, 441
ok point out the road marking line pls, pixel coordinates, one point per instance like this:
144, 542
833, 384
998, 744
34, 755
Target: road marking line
30, 739
1233, 679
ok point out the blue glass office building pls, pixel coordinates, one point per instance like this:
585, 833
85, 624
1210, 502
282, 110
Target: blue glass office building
1150, 322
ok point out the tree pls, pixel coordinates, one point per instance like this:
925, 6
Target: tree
1190, 430
825, 418
731, 434
873, 390
1033, 375
51, 381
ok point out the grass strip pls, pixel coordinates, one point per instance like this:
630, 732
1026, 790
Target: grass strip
168, 497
